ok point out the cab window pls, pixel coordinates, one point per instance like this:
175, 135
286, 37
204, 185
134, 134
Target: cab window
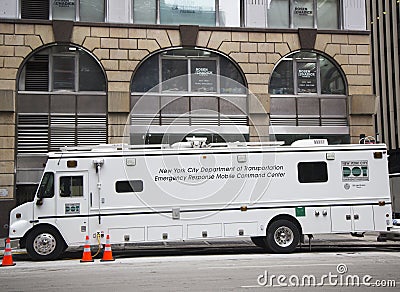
46, 189
71, 186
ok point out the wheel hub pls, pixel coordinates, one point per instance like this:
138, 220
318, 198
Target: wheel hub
283, 236
44, 244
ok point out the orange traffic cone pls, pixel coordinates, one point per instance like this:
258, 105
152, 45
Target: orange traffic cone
7, 257
107, 254
87, 254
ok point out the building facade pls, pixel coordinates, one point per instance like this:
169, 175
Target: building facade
385, 28
384, 24
78, 72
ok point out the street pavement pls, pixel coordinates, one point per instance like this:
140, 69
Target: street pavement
340, 268
319, 241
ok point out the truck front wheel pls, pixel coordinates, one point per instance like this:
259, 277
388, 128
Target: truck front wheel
283, 236
44, 244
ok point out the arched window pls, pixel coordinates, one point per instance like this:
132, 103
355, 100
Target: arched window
187, 92
61, 101
308, 98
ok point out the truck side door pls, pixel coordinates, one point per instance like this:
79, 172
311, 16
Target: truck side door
72, 204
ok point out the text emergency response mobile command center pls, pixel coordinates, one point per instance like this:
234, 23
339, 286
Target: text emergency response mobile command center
194, 191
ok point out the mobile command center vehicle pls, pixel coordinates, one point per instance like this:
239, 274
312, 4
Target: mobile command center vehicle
195, 191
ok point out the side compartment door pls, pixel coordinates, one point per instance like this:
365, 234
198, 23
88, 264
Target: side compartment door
341, 219
72, 205
356, 218
363, 218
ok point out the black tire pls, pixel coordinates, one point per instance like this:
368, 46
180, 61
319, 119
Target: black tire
283, 236
44, 244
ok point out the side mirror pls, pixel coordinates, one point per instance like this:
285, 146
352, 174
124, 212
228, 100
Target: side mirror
39, 202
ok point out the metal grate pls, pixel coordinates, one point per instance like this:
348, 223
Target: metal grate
91, 130
35, 9
32, 132
37, 74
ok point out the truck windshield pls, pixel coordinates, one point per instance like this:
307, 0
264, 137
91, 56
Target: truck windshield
46, 189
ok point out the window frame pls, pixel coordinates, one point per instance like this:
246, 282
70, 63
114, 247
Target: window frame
42, 189
77, 10
292, 57
81, 187
295, 119
75, 52
87, 122
291, 12
147, 107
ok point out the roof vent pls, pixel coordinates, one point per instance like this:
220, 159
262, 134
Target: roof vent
310, 142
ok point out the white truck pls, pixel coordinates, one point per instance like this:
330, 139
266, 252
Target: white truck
191, 190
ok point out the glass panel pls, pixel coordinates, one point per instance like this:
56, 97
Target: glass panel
33, 103
331, 80
131, 186
144, 11
63, 9
201, 12
305, 55
173, 105
333, 107
327, 12
171, 70
203, 77
147, 104
282, 78
46, 188
283, 106
229, 13
62, 103
189, 53
91, 10
278, 14
308, 106
307, 77
303, 13
92, 104
64, 72
256, 13
91, 77
208, 103
146, 77
231, 79
71, 186
312, 172
233, 105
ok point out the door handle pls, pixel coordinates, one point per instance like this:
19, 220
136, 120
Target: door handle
356, 216
91, 199
348, 217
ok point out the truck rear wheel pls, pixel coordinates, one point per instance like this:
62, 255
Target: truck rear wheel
44, 244
283, 236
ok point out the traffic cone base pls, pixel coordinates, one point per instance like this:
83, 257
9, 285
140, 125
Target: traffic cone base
7, 257
107, 254
87, 254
